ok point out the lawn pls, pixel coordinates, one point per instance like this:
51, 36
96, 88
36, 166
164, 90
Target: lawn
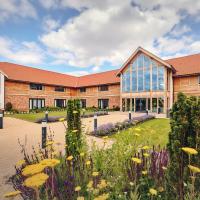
152, 132
32, 117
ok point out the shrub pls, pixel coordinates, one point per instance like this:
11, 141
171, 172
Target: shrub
8, 106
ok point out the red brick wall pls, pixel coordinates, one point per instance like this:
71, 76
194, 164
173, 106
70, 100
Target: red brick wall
19, 93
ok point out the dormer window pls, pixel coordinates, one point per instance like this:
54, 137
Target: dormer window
34, 86
59, 89
103, 88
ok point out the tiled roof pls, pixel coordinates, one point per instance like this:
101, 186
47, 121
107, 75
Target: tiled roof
108, 77
186, 65
29, 74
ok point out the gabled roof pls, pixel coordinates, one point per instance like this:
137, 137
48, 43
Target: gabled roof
29, 74
186, 65
140, 49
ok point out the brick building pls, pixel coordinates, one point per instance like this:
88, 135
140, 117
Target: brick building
145, 81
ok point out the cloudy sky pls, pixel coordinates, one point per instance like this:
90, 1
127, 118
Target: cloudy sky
89, 36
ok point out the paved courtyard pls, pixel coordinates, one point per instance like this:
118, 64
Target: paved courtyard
15, 129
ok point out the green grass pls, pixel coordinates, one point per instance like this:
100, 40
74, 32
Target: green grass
152, 132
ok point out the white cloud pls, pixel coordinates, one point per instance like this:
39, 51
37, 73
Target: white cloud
25, 53
16, 8
49, 24
48, 4
96, 68
111, 30
180, 30
78, 73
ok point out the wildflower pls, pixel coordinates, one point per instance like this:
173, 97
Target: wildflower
102, 184
12, 194
136, 160
54, 153
190, 151
131, 183
62, 119
75, 112
77, 189
88, 162
145, 147
95, 174
30, 170
66, 145
74, 131
90, 184
49, 143
50, 162
194, 169
82, 154
136, 134
80, 198
102, 197
36, 181
20, 163
105, 137
144, 172
69, 158
146, 155
164, 168
153, 192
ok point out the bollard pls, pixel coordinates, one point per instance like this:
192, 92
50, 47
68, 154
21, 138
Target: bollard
95, 123
129, 116
46, 116
44, 134
1, 120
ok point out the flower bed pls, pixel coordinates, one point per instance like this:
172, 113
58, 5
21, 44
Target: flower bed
110, 128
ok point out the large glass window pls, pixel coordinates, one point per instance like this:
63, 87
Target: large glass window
126, 81
134, 76
154, 76
140, 80
161, 72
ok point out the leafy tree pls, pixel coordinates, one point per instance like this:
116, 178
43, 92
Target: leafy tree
185, 132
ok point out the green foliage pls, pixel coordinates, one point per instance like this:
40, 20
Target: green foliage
73, 134
185, 130
8, 106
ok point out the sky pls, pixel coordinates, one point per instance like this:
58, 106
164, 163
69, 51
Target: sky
80, 37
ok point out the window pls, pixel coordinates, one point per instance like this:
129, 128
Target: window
126, 81
34, 86
59, 89
103, 103
103, 88
161, 72
154, 77
35, 103
61, 103
83, 103
83, 89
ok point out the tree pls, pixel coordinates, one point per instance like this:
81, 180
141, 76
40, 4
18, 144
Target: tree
185, 129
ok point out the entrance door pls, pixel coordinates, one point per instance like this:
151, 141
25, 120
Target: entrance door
140, 104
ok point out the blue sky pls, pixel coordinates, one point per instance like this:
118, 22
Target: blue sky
88, 36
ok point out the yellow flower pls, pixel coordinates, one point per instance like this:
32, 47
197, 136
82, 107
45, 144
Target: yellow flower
194, 169
105, 137
146, 155
50, 162
131, 183
74, 131
30, 170
80, 198
190, 151
78, 188
49, 143
36, 181
136, 160
20, 163
95, 174
82, 154
90, 184
137, 129
136, 134
66, 145
62, 119
88, 162
160, 189
164, 168
12, 194
55, 153
75, 112
69, 158
153, 192
145, 147
144, 172
102, 197
102, 184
